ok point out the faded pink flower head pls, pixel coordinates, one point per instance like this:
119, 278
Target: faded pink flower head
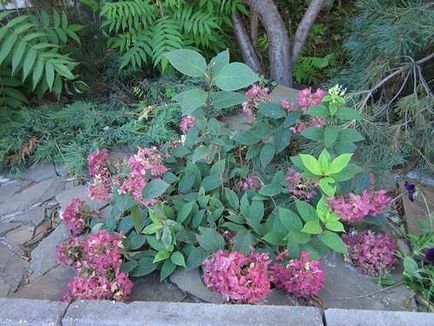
301, 277
373, 253
284, 103
307, 99
300, 187
255, 95
187, 122
251, 182
354, 208
97, 261
238, 277
74, 216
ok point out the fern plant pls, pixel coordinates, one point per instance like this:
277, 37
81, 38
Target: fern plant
307, 70
30, 55
142, 30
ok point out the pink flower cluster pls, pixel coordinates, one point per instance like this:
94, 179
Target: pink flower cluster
284, 103
101, 188
301, 277
307, 99
354, 208
97, 261
300, 187
373, 253
255, 95
238, 277
251, 182
74, 216
314, 122
141, 167
148, 162
187, 122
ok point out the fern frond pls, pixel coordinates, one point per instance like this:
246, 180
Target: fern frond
132, 15
166, 37
25, 51
10, 96
57, 28
138, 52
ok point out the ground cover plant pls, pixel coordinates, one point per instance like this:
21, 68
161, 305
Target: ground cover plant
218, 197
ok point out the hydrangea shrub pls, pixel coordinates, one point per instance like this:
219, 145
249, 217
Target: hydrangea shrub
217, 192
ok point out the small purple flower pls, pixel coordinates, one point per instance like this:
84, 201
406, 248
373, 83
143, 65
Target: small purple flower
411, 189
430, 256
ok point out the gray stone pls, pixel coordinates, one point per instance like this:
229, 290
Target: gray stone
149, 288
35, 216
40, 172
11, 188
12, 268
284, 93
5, 288
341, 317
21, 235
191, 282
31, 312
236, 122
61, 169
50, 286
5, 227
44, 255
80, 192
346, 288
97, 313
30, 197
279, 298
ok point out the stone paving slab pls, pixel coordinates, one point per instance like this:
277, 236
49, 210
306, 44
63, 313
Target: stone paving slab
108, 313
347, 288
31, 312
344, 317
44, 255
96, 313
31, 196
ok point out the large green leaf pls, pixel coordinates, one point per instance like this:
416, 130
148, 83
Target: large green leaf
211, 182
242, 241
339, 163
334, 242
282, 139
311, 163
178, 259
232, 198
289, 219
191, 100
267, 154
188, 62
235, 76
210, 240
271, 110
154, 189
222, 99
218, 62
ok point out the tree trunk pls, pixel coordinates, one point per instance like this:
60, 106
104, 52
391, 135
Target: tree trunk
245, 44
279, 47
304, 28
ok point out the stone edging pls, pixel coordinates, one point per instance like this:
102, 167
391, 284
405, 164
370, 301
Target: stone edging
94, 313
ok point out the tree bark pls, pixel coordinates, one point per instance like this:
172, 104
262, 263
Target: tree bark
245, 44
304, 27
254, 28
279, 47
